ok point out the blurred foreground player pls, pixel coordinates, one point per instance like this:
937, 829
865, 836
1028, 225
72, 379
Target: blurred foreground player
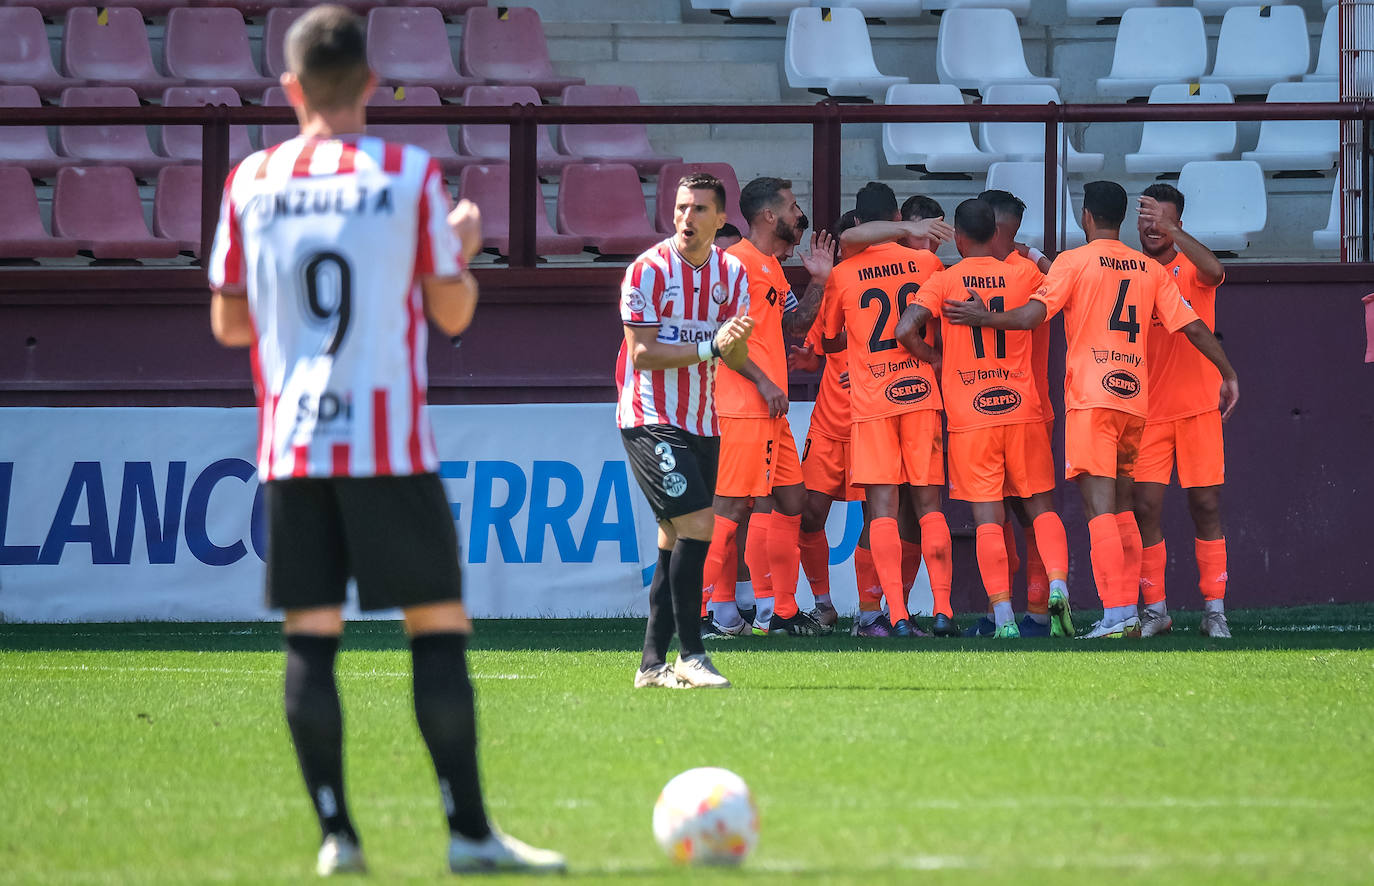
332, 299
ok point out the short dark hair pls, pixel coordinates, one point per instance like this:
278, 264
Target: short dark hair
729, 230
1004, 203
919, 206
976, 220
760, 194
1106, 202
704, 181
875, 202
326, 49
848, 220
1165, 193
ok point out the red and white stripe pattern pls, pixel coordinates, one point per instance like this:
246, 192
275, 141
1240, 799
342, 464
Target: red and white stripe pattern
330, 239
688, 305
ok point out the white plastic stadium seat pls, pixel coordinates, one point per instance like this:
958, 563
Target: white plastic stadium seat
1154, 46
1018, 8
939, 147
1329, 237
1259, 46
878, 8
1027, 181
1216, 8
1026, 141
979, 47
1226, 202
1166, 145
760, 8
1298, 144
1105, 8
1329, 51
829, 49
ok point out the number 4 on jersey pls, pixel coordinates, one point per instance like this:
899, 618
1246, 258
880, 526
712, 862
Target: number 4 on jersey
1127, 323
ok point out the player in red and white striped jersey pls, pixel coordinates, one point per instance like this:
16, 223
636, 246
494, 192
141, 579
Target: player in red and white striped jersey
684, 304
332, 248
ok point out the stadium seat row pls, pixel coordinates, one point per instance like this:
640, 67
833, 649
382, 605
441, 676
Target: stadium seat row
830, 51
913, 8
108, 46
249, 8
1165, 146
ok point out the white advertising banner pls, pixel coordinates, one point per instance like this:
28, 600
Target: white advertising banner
148, 514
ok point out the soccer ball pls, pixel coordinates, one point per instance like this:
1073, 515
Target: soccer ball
706, 816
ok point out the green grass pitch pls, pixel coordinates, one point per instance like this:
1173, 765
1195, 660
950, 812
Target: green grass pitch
157, 753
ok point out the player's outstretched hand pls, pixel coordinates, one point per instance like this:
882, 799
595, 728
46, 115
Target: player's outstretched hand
803, 359
966, 313
733, 333
466, 222
775, 397
820, 259
937, 230
1151, 215
1230, 396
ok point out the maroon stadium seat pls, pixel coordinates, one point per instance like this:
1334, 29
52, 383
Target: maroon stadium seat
25, 59
98, 207
107, 145
672, 173
209, 47
607, 142
409, 47
279, 21
275, 134
490, 142
176, 207
21, 227
604, 204
26, 146
115, 53
433, 137
489, 188
506, 45
184, 142
448, 8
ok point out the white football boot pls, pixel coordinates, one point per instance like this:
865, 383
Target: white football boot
339, 855
501, 852
697, 672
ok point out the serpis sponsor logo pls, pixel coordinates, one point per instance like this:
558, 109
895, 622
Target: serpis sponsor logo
908, 390
1121, 383
996, 401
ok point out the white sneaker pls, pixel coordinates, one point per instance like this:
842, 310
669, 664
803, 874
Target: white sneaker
1152, 623
501, 852
661, 675
339, 855
1214, 625
1128, 628
697, 672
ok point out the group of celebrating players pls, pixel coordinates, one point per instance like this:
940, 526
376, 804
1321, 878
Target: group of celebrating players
912, 352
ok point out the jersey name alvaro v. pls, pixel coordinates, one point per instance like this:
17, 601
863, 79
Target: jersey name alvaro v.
331, 238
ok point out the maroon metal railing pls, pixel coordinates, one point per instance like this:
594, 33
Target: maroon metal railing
826, 119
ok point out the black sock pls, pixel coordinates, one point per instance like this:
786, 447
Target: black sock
659, 631
689, 559
448, 721
316, 722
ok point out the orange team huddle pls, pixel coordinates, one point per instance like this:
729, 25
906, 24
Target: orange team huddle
913, 351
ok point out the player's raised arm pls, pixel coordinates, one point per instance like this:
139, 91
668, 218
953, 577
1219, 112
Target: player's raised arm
819, 261
1164, 217
858, 238
450, 301
648, 353
974, 312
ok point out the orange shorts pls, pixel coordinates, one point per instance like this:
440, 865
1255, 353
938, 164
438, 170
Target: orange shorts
906, 448
1101, 442
988, 464
756, 455
825, 468
1194, 442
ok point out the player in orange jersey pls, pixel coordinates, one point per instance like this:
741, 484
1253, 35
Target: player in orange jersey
897, 433
1105, 290
997, 439
758, 457
1183, 423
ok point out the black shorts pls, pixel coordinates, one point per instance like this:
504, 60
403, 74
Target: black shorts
393, 535
676, 469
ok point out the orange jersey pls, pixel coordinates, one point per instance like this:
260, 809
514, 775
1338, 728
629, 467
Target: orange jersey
769, 296
987, 374
1040, 350
1183, 383
831, 415
1108, 292
874, 288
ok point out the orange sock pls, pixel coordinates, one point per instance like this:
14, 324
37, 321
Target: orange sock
756, 555
992, 562
866, 577
1104, 536
1052, 546
784, 558
1130, 553
1211, 568
1152, 562
1013, 558
1037, 579
886, 544
911, 564
718, 578
937, 547
815, 560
